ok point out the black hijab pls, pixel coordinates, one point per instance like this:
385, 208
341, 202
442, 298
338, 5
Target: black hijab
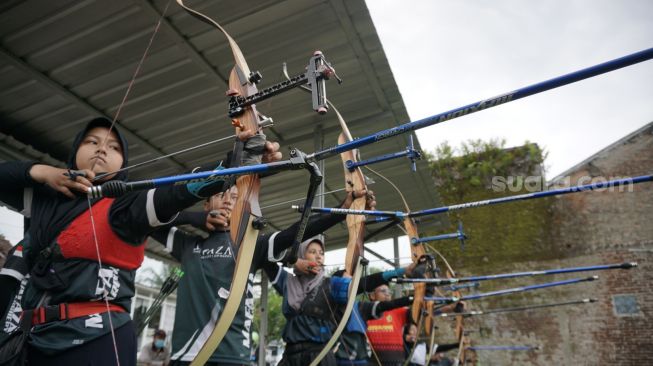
100, 122
52, 211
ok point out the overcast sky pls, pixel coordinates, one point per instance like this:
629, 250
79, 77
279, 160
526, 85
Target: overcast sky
445, 54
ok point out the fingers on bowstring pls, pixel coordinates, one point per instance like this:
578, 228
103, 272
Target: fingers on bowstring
78, 180
81, 185
85, 182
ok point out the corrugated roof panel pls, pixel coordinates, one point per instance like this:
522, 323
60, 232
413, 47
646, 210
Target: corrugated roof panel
63, 62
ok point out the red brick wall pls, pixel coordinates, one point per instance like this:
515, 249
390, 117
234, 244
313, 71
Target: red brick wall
587, 228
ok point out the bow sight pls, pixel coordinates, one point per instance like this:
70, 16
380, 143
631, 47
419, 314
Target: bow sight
317, 72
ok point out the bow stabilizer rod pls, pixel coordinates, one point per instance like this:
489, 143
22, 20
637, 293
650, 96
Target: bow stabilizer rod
410, 152
503, 348
460, 235
504, 98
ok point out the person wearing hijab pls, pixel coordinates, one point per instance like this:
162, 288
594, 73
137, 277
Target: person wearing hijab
82, 253
208, 264
312, 302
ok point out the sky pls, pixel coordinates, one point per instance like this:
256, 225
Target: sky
446, 54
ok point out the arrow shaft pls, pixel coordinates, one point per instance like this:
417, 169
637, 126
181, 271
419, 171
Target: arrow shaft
446, 300
502, 348
427, 239
504, 98
515, 309
559, 81
389, 215
351, 165
542, 194
445, 281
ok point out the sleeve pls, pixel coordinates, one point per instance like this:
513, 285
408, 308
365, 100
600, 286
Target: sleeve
369, 283
275, 244
383, 306
134, 216
366, 309
194, 218
12, 273
14, 178
174, 240
9, 287
15, 265
277, 276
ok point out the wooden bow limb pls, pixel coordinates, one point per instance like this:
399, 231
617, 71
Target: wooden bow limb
243, 226
354, 182
421, 307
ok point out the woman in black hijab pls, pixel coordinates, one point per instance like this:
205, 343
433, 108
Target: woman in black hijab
83, 253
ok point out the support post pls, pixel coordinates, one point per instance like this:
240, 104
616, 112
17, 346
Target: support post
395, 246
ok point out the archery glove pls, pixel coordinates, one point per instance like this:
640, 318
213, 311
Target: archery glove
207, 187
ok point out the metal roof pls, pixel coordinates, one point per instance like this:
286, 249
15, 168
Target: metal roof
63, 62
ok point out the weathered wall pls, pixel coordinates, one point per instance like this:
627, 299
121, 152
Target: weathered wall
572, 230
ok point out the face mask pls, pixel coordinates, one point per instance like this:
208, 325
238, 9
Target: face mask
159, 343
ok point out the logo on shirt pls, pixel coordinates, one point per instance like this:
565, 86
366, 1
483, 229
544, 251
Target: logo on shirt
223, 251
108, 283
94, 321
249, 311
13, 315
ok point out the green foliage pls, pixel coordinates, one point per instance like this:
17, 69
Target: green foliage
497, 234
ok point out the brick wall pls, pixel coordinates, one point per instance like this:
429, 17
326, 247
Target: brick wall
585, 229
